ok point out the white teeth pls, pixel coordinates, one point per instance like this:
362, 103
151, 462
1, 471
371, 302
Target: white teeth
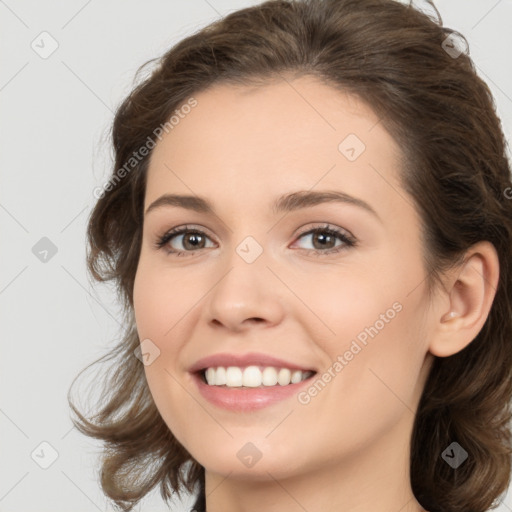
296, 377
269, 376
210, 375
220, 376
284, 376
253, 376
233, 377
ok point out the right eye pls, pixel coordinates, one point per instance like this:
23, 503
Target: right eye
192, 237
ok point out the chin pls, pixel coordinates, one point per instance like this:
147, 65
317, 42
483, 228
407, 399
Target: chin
244, 460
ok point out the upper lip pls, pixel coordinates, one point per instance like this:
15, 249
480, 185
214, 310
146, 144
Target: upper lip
249, 359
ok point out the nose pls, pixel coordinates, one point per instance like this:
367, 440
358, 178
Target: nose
247, 296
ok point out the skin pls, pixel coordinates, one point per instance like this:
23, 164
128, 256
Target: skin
348, 448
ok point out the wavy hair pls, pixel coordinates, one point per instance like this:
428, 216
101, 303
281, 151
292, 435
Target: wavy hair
443, 116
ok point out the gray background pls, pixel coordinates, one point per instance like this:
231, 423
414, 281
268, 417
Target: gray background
56, 114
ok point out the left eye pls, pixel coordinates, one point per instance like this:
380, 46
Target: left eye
194, 239
323, 237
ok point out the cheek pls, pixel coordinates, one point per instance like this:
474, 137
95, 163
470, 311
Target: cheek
160, 298
157, 311
375, 318
381, 347
163, 302
346, 303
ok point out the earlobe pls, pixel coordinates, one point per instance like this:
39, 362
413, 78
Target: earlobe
472, 288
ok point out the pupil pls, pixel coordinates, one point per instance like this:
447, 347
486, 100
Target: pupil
190, 237
320, 236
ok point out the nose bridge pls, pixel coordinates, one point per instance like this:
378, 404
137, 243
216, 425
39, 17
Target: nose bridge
246, 289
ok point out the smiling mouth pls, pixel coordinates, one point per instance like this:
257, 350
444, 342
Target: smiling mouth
235, 377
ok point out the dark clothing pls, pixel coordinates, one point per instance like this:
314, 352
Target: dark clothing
200, 504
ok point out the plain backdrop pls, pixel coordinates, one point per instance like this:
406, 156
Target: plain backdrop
56, 112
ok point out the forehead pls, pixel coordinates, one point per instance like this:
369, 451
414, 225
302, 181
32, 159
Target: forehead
267, 140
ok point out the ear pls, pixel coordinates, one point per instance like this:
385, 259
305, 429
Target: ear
469, 293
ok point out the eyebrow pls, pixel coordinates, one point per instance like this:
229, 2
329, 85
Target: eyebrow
286, 203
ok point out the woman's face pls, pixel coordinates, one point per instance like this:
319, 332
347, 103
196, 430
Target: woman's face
256, 281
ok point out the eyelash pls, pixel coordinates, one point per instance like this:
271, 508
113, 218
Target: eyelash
348, 240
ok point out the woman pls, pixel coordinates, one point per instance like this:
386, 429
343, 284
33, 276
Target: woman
309, 223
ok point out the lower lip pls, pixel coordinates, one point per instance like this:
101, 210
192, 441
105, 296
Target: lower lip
247, 399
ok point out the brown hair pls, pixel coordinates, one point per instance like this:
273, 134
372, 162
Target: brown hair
454, 167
